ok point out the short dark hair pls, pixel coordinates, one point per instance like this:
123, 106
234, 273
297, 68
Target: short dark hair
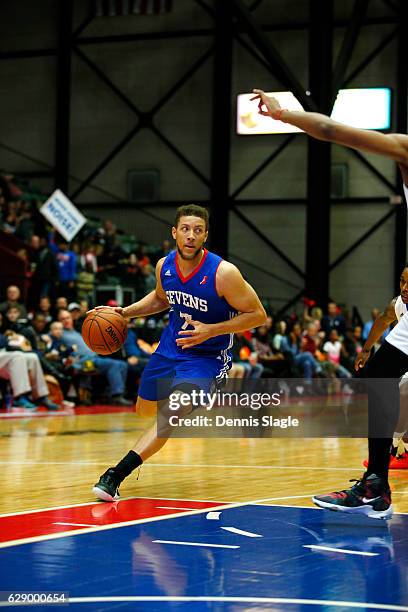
192, 210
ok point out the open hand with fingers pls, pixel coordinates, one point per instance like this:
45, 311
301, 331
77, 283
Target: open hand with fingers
271, 105
200, 333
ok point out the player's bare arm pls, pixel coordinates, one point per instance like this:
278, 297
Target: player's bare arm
241, 296
154, 302
394, 146
380, 325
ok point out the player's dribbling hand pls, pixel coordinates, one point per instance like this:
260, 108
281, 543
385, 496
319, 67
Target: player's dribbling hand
199, 334
271, 104
361, 360
117, 309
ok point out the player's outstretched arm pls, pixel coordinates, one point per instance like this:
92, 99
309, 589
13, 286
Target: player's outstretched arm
394, 146
380, 325
240, 296
153, 302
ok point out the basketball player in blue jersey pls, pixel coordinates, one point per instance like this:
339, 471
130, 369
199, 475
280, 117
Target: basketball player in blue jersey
371, 494
209, 301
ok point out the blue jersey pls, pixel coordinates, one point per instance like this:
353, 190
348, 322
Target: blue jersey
194, 297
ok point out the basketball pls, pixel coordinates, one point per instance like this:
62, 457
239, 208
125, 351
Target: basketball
104, 331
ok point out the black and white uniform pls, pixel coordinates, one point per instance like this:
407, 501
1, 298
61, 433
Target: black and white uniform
401, 309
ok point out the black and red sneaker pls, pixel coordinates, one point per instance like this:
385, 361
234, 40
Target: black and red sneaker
370, 496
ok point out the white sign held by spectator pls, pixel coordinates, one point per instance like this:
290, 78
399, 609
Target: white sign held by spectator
63, 215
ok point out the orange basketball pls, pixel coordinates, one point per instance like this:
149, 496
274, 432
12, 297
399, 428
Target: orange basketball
104, 331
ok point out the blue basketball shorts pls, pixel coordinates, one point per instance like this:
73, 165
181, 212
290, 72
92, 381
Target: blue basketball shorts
162, 375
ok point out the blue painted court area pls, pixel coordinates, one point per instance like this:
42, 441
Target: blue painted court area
281, 558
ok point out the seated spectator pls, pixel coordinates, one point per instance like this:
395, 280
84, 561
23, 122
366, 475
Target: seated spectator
78, 316
14, 323
280, 332
88, 256
45, 270
137, 358
13, 299
131, 273
273, 361
44, 307
333, 320
334, 348
269, 326
67, 267
149, 277
10, 218
61, 303
24, 371
142, 257
112, 258
107, 233
163, 251
244, 354
114, 369
368, 325
352, 346
58, 350
311, 340
304, 361
85, 284
39, 329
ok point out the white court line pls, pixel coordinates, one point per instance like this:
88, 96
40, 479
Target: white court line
327, 603
213, 516
172, 508
220, 501
341, 550
248, 534
226, 506
206, 544
73, 532
188, 465
76, 524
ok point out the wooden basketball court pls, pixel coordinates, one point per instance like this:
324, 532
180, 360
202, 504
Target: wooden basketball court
55, 461
223, 524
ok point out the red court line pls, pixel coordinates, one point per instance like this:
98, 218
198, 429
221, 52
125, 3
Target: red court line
29, 525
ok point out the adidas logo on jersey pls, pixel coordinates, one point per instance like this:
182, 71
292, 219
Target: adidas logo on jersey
204, 280
167, 273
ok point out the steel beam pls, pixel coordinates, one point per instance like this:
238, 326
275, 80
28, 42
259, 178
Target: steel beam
319, 155
374, 170
267, 241
362, 239
262, 42
144, 119
221, 128
349, 41
376, 51
240, 202
122, 38
63, 77
264, 164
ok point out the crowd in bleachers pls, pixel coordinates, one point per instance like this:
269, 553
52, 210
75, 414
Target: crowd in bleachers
41, 317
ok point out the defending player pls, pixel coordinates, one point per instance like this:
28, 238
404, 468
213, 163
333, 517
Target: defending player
371, 494
396, 309
209, 301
